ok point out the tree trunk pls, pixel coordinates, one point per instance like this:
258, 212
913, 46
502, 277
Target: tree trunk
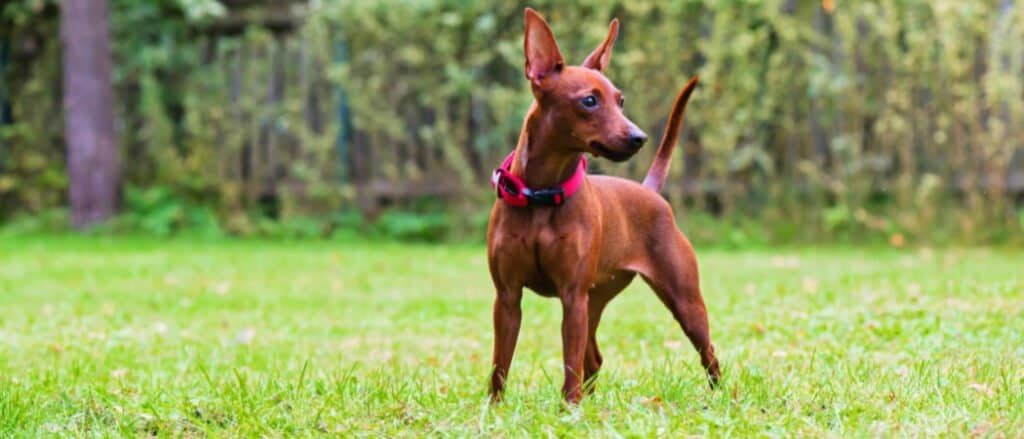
93, 163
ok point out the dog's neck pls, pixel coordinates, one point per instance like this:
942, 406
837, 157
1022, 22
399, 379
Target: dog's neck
539, 159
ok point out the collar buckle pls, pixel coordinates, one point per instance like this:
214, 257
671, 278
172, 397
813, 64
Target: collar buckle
514, 192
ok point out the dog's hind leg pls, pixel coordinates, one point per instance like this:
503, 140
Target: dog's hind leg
672, 274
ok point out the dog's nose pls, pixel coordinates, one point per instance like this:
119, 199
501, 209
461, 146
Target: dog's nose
637, 139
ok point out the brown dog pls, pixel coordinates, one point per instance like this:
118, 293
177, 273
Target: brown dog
585, 237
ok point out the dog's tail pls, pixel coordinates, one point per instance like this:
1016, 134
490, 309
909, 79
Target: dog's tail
655, 178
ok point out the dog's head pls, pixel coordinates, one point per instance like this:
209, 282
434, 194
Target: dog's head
579, 97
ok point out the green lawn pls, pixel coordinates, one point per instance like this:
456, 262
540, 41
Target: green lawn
185, 338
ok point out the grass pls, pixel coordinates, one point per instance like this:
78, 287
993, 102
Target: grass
133, 337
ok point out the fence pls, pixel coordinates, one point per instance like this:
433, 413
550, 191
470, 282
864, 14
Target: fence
857, 114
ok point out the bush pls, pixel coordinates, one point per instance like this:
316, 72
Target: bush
809, 116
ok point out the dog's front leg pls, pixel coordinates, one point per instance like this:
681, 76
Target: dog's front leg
507, 317
574, 341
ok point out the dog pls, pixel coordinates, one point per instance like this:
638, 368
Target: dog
580, 238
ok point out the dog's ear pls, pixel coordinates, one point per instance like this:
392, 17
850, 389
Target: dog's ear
599, 58
543, 59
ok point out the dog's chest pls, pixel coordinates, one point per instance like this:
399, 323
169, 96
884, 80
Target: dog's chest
531, 252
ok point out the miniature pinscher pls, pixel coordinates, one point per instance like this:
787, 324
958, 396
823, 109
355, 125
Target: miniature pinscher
580, 238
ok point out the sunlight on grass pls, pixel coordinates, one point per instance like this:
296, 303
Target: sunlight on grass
144, 337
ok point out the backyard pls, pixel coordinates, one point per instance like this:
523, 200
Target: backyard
184, 337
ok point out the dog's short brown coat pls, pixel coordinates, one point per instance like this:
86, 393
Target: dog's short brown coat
588, 249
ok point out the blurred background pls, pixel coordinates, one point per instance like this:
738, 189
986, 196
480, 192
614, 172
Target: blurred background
883, 121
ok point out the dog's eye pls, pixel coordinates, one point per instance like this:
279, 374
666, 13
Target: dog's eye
589, 102
622, 102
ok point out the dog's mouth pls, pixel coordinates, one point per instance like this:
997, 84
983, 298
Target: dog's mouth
610, 154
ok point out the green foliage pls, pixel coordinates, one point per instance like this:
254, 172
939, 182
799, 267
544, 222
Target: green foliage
197, 10
48, 221
408, 226
813, 123
158, 211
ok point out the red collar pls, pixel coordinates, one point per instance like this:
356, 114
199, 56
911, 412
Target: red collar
514, 192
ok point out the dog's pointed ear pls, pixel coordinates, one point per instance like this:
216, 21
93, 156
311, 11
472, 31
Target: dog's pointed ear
543, 59
599, 58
